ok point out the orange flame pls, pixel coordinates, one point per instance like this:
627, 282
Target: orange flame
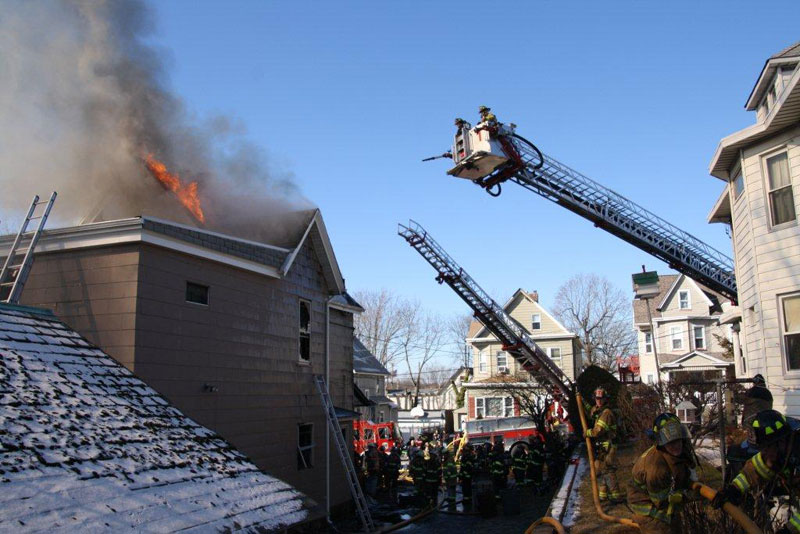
186, 193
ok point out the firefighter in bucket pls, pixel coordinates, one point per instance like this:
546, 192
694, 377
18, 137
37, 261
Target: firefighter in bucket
604, 434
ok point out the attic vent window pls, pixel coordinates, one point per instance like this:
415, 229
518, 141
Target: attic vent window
305, 330
197, 293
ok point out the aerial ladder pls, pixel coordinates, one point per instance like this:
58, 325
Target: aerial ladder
511, 334
493, 153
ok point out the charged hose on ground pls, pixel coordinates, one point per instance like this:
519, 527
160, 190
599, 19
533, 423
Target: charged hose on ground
734, 511
595, 495
547, 520
424, 513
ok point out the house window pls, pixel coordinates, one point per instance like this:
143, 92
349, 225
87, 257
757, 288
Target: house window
675, 334
305, 330
305, 445
536, 321
480, 410
508, 407
699, 337
650, 379
366, 392
502, 362
683, 300
197, 293
648, 342
790, 306
738, 185
494, 406
380, 417
781, 198
483, 361
555, 355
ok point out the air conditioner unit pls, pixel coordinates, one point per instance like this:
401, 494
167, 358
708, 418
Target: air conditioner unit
502, 370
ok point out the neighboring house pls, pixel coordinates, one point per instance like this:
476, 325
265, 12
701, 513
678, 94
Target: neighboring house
231, 331
451, 392
760, 166
404, 398
87, 446
370, 377
684, 331
487, 394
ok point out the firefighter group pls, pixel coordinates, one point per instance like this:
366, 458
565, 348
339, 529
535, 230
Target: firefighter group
662, 477
481, 471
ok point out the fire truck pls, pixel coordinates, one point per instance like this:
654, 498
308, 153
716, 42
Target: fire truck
366, 432
514, 432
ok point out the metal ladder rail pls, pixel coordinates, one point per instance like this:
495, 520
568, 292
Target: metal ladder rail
507, 328
493, 316
352, 477
629, 221
23, 269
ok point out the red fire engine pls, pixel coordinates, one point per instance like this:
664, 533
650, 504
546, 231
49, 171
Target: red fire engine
513, 431
366, 432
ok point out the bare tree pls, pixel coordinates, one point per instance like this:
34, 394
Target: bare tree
421, 339
458, 329
384, 319
600, 314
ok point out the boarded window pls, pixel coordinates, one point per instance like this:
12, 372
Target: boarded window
791, 331
197, 293
305, 330
536, 321
305, 445
781, 198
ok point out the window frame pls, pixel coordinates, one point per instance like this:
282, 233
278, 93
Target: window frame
502, 368
535, 322
737, 184
301, 334
482, 408
768, 191
648, 343
784, 333
508, 406
553, 358
675, 334
688, 294
650, 379
309, 448
482, 404
694, 336
483, 360
196, 303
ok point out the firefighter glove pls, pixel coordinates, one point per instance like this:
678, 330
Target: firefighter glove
588, 433
728, 494
676, 498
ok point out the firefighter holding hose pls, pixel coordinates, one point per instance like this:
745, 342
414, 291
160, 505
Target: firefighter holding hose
603, 435
662, 478
773, 464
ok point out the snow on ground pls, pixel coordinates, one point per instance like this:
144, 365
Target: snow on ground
567, 501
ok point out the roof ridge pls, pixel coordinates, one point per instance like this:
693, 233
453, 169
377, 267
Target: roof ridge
784, 52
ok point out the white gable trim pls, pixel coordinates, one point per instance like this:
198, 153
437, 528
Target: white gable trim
716, 362
484, 330
319, 224
480, 334
675, 285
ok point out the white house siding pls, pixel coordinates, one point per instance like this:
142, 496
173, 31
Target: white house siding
767, 265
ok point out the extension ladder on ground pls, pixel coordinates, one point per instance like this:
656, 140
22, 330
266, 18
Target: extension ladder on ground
15, 272
510, 333
625, 219
344, 455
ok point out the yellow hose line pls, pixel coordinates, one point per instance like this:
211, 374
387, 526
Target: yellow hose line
402, 524
595, 495
546, 521
734, 511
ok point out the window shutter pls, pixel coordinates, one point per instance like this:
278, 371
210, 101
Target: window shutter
516, 408
471, 408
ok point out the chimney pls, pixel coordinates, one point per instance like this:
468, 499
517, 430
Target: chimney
534, 295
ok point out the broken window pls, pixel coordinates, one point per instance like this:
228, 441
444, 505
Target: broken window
305, 445
781, 198
197, 293
305, 330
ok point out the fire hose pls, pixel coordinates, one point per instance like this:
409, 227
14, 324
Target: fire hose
595, 495
734, 511
546, 520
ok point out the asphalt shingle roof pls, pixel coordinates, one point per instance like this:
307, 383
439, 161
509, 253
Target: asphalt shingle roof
85, 445
789, 51
364, 361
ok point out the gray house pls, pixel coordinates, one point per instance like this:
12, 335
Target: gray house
230, 331
370, 378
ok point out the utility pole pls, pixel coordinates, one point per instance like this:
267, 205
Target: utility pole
645, 287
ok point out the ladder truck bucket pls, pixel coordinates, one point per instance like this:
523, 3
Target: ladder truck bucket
477, 152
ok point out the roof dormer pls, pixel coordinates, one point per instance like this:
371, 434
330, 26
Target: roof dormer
774, 78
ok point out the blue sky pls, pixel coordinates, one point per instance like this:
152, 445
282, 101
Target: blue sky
350, 96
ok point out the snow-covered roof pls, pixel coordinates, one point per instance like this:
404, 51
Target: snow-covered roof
85, 445
365, 362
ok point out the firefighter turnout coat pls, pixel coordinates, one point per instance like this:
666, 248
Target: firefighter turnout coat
656, 476
756, 474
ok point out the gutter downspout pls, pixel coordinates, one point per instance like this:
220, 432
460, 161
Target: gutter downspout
327, 383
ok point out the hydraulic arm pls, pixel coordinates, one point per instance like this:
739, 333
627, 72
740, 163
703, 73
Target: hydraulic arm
510, 333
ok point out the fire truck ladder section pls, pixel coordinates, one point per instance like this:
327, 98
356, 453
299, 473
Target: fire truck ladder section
14, 275
344, 455
510, 333
619, 216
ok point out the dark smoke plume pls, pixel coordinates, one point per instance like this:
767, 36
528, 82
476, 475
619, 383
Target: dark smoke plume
83, 98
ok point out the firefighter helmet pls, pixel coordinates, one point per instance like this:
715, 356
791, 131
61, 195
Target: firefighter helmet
668, 428
758, 380
601, 393
770, 426
483, 109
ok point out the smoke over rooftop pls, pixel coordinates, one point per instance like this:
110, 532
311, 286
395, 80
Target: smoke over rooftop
84, 101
